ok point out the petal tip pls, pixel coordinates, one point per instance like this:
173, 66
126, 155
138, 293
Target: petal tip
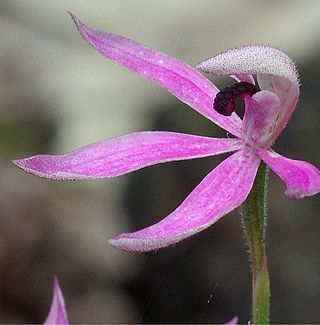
114, 242
296, 193
71, 14
55, 282
26, 164
57, 313
130, 244
73, 17
200, 66
17, 162
45, 166
143, 244
233, 321
77, 22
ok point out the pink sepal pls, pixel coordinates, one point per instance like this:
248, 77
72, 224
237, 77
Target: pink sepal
57, 314
178, 78
221, 191
122, 155
301, 178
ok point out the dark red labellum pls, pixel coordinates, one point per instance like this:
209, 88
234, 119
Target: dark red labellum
224, 101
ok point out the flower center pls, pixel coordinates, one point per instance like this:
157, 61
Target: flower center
224, 101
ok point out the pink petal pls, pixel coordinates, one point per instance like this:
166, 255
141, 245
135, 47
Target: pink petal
221, 191
301, 178
232, 321
260, 118
251, 59
125, 154
178, 78
288, 94
57, 314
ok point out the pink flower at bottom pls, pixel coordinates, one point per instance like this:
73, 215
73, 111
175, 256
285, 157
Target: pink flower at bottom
57, 314
232, 321
269, 104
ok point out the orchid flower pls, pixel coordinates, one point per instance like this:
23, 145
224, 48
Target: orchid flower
269, 103
57, 314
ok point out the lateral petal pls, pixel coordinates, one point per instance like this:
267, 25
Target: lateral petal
261, 118
57, 314
221, 191
175, 76
301, 178
121, 155
288, 93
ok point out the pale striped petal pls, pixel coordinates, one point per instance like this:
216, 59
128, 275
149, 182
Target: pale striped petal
181, 80
122, 155
221, 191
57, 314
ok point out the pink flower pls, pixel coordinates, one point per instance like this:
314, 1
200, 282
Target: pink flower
57, 314
268, 107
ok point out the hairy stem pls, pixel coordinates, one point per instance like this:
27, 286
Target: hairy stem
254, 221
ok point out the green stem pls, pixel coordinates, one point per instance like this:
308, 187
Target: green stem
254, 221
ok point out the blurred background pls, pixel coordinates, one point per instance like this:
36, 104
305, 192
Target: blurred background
57, 94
